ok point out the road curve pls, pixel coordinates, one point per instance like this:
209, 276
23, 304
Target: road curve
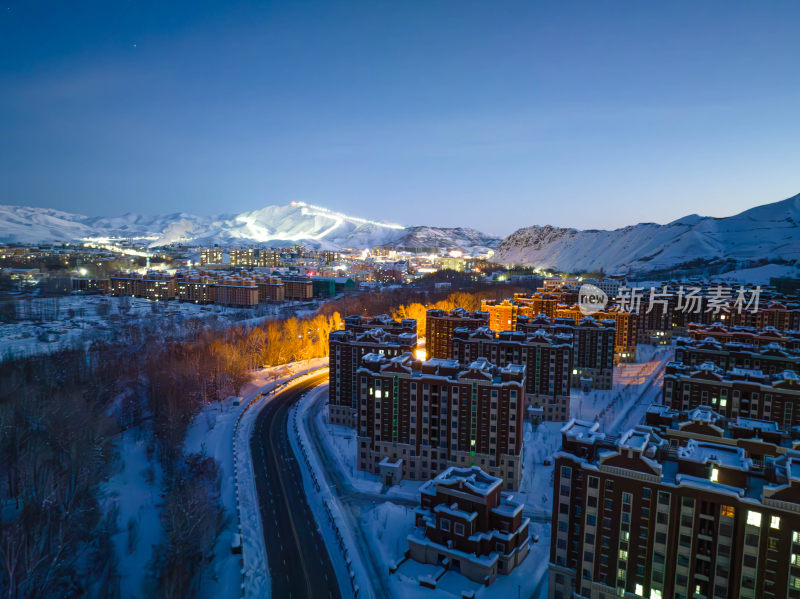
298, 560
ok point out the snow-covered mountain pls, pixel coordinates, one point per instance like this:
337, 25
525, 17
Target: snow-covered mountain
765, 234
274, 225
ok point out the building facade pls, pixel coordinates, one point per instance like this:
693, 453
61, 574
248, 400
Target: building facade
634, 517
420, 418
466, 518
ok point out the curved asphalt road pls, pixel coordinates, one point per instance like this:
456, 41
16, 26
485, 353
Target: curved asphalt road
298, 560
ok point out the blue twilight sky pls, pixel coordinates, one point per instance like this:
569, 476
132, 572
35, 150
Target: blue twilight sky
493, 114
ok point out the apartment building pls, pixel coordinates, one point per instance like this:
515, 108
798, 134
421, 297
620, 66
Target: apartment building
465, 517
637, 516
156, 286
210, 256
243, 257
268, 258
196, 288
270, 289
593, 345
237, 292
503, 314
361, 324
737, 392
547, 359
347, 348
298, 288
440, 324
769, 359
416, 418
749, 335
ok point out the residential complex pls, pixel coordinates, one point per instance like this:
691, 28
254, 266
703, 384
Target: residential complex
675, 510
548, 360
362, 336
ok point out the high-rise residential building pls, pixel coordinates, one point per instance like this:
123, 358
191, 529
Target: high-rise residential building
346, 349
749, 335
503, 314
782, 316
269, 258
733, 393
243, 257
592, 347
547, 359
769, 359
361, 324
419, 418
667, 512
465, 517
440, 324
210, 256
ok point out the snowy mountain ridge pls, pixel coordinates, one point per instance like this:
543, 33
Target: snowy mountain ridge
765, 234
297, 222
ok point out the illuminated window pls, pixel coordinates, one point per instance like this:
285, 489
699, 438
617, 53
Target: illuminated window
574, 371
655, 594
639, 590
714, 475
727, 511
775, 522
754, 518
723, 402
795, 537
795, 559
623, 555
377, 393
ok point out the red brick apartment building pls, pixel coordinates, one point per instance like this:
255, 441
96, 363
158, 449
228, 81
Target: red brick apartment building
736, 392
592, 347
238, 292
752, 336
156, 286
361, 324
270, 289
298, 288
547, 359
419, 418
465, 520
639, 516
196, 288
770, 358
440, 324
346, 349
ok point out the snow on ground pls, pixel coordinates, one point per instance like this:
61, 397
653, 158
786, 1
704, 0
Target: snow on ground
48, 324
135, 491
341, 442
390, 525
334, 527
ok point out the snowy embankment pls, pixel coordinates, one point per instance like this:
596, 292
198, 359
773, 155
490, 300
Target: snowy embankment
338, 536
